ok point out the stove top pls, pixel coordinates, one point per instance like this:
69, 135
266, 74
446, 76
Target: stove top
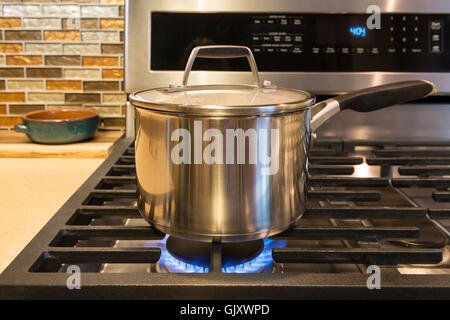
383, 203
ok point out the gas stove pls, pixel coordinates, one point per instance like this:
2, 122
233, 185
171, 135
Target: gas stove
377, 221
382, 204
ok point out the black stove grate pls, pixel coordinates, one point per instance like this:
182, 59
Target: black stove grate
352, 220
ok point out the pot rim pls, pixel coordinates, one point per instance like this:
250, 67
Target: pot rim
218, 110
26, 116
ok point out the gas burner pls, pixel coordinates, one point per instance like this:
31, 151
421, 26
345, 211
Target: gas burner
198, 253
262, 263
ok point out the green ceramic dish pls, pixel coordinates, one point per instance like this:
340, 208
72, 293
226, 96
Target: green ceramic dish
59, 126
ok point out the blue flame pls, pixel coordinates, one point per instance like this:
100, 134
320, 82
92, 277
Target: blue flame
178, 266
264, 259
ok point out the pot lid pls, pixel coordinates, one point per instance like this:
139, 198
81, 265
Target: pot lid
222, 100
227, 100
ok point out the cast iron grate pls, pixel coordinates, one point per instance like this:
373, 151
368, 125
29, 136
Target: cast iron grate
351, 221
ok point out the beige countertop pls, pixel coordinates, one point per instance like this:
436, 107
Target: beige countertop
17, 145
33, 189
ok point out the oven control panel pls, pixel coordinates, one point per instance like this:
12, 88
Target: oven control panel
305, 42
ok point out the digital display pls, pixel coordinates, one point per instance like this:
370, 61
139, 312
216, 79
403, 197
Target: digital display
343, 30
303, 42
358, 31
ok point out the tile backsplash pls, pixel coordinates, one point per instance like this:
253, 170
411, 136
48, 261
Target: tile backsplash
61, 54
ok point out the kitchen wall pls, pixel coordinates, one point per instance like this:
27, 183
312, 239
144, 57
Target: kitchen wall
61, 53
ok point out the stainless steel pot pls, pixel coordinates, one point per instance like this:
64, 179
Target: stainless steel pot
230, 162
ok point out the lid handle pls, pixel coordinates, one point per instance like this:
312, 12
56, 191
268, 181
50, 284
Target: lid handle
222, 52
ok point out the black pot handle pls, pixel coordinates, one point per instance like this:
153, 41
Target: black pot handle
386, 95
370, 99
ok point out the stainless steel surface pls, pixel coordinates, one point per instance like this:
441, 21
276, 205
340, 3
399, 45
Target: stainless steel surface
323, 111
130, 124
229, 202
402, 122
221, 52
138, 75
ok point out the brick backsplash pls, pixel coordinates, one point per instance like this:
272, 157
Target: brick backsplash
61, 54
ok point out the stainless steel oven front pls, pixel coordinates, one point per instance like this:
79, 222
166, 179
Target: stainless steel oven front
323, 46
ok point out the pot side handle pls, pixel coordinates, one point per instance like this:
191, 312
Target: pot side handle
21, 128
370, 99
221, 52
